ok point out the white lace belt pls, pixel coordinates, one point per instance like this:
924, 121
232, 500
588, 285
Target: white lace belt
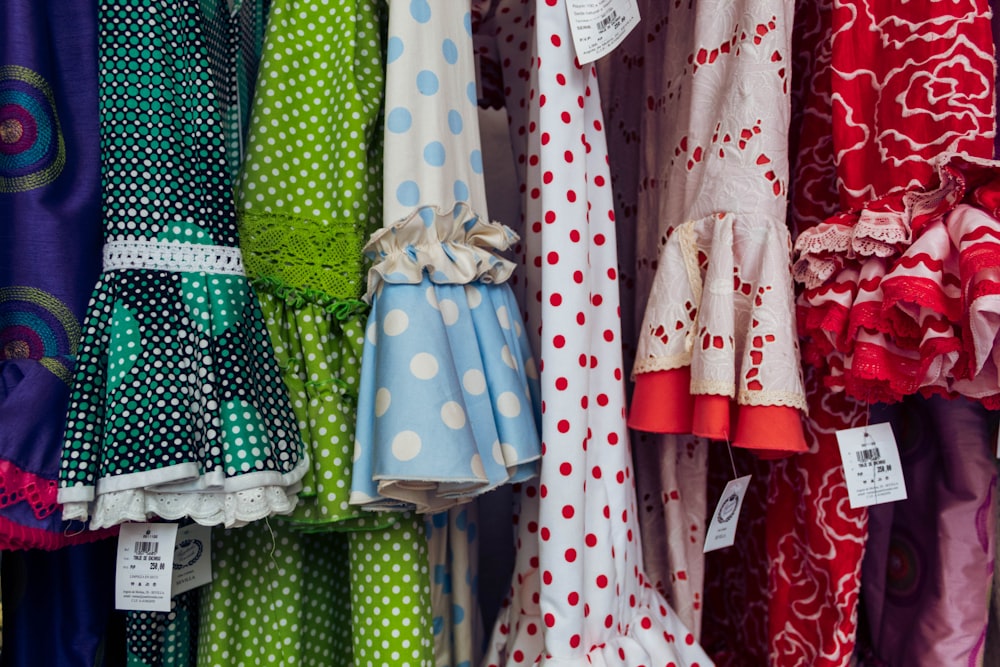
172, 256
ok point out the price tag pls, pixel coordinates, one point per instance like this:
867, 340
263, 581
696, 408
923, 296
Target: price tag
145, 575
871, 465
598, 26
722, 530
192, 558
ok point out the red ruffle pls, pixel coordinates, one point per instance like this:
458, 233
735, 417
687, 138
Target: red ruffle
924, 317
662, 403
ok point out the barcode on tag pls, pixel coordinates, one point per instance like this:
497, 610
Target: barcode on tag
607, 21
866, 455
146, 548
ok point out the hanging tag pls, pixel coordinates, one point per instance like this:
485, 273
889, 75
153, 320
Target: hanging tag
192, 558
145, 575
722, 530
598, 26
871, 465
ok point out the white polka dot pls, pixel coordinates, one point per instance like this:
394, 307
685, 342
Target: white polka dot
498, 452
509, 404
423, 366
382, 400
503, 317
395, 322
474, 296
509, 454
474, 382
370, 333
508, 358
432, 297
449, 311
453, 415
406, 445
357, 451
477, 467
530, 369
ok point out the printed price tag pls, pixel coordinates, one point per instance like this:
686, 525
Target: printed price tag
598, 26
722, 530
145, 575
192, 558
871, 465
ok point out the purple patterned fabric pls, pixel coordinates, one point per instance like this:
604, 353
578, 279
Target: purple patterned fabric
50, 249
929, 564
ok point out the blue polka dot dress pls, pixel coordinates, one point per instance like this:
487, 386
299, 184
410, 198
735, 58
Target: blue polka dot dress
448, 405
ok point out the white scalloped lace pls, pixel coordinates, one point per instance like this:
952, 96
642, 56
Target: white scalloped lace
171, 256
231, 509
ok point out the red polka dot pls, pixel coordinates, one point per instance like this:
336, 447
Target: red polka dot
646, 623
574, 236
566, 117
599, 180
596, 472
550, 620
581, 318
545, 138
597, 299
609, 335
571, 196
612, 274
574, 641
543, 491
566, 469
559, 341
602, 581
547, 577
563, 425
689, 639
570, 555
573, 598
536, 227
545, 534
578, 277
568, 511
555, 299
561, 384
609, 620
599, 239
552, 257
568, 156
591, 540
584, 402
550, 217
532, 629
518, 656
597, 126
556, 41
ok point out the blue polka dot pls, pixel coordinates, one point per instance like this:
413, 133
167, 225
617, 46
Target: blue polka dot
462, 520
440, 520
394, 49
434, 154
455, 123
399, 120
408, 193
427, 215
427, 82
420, 11
457, 614
476, 161
461, 191
467, 21
450, 51
470, 90
438, 625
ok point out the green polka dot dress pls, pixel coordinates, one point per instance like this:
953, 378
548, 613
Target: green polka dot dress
342, 587
177, 407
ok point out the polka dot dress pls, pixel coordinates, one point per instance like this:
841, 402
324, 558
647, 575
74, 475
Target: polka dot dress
449, 402
177, 408
579, 595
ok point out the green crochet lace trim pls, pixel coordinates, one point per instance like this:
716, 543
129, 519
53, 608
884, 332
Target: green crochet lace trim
340, 309
317, 261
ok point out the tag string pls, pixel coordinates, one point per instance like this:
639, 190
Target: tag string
732, 461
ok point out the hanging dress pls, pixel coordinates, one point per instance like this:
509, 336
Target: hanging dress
719, 325
868, 126
177, 408
50, 215
309, 185
579, 594
448, 406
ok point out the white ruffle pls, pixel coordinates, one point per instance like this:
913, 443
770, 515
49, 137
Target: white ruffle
232, 510
449, 246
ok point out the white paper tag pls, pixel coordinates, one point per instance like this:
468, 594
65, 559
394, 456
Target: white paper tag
722, 530
192, 558
598, 26
145, 574
871, 465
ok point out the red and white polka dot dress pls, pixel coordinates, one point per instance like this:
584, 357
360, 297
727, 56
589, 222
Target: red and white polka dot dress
579, 595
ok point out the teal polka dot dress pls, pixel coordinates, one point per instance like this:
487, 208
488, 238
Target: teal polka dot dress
177, 407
